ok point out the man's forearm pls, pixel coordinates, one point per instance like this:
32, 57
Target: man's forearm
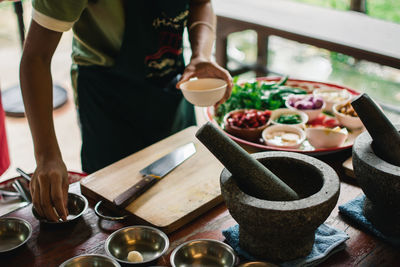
36, 85
201, 36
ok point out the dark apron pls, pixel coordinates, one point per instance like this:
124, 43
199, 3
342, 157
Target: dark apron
121, 113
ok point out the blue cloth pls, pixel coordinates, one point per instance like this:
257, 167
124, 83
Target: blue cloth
328, 240
354, 211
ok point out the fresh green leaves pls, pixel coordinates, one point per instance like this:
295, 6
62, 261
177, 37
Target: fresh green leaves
259, 95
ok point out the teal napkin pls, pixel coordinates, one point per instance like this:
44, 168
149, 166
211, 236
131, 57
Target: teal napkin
328, 241
354, 211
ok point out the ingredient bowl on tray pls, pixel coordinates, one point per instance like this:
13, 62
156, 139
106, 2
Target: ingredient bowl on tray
279, 96
333, 96
286, 116
309, 104
346, 116
283, 136
247, 123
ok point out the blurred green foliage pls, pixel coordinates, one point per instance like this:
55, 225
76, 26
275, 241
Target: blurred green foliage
382, 9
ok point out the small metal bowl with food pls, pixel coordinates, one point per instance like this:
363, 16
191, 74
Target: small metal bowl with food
77, 205
247, 123
90, 260
203, 252
14, 232
137, 245
309, 104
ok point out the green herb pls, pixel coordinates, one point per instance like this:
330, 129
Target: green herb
259, 95
289, 119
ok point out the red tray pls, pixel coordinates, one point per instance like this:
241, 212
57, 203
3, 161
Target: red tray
309, 86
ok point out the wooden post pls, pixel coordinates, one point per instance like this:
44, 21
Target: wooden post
262, 54
221, 44
358, 5
20, 16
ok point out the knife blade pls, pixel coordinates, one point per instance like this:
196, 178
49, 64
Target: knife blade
155, 172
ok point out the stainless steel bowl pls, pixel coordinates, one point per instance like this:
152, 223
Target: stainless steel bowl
14, 232
257, 264
89, 261
77, 205
203, 252
149, 241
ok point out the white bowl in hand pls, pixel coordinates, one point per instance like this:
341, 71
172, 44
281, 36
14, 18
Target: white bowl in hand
204, 92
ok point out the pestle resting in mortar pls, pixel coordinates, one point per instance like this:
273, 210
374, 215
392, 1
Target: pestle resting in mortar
385, 137
249, 171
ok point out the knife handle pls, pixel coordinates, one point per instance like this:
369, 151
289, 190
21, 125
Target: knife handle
135, 191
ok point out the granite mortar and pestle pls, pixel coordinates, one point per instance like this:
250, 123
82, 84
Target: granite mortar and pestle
376, 163
278, 199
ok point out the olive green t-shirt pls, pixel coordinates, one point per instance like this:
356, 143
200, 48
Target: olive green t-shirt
99, 25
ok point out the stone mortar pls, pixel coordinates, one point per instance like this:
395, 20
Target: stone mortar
283, 230
380, 182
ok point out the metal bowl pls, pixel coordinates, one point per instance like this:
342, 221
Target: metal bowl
257, 264
77, 205
149, 241
90, 260
203, 252
14, 232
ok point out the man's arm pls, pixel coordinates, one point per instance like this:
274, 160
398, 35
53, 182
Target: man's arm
201, 35
49, 185
201, 27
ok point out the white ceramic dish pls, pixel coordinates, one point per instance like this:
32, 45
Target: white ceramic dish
286, 111
273, 136
320, 137
204, 92
347, 121
332, 96
311, 113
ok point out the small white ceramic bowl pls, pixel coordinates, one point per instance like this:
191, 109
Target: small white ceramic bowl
289, 131
204, 92
332, 96
347, 121
283, 111
311, 113
321, 137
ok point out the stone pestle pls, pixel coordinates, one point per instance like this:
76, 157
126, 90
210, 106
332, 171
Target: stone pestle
248, 171
385, 137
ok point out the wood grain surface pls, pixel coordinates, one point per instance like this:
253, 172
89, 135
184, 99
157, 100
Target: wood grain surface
52, 245
186, 192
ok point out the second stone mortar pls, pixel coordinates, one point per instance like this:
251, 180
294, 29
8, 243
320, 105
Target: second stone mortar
380, 181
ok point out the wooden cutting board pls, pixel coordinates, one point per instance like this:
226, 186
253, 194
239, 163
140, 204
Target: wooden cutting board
348, 167
186, 192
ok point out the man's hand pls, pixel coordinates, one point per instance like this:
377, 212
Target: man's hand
49, 190
202, 68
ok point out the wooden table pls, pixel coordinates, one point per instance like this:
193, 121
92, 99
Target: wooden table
50, 246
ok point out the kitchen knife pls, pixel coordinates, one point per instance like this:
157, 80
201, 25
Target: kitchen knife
155, 172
